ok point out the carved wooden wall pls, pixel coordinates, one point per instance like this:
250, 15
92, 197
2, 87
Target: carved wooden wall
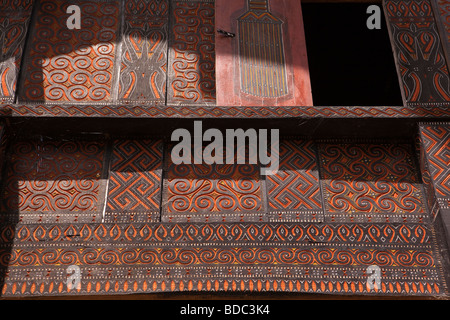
421, 63
266, 63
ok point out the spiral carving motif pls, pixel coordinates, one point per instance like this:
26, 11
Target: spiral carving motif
72, 65
223, 256
216, 188
191, 57
377, 178
54, 176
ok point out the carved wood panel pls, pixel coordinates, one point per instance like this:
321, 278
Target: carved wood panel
144, 52
421, 64
191, 69
442, 14
58, 179
265, 63
15, 17
75, 66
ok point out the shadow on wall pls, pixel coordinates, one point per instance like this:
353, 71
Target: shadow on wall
119, 54
349, 64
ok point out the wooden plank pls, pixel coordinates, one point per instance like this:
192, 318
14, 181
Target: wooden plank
134, 111
144, 52
14, 21
3, 145
373, 181
54, 181
293, 193
212, 192
421, 65
265, 64
191, 72
75, 66
442, 14
134, 187
435, 138
236, 257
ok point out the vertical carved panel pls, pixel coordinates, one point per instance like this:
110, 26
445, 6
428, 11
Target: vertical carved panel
3, 143
262, 61
135, 180
436, 146
294, 191
421, 64
144, 51
72, 65
442, 14
191, 69
14, 21
428, 186
266, 63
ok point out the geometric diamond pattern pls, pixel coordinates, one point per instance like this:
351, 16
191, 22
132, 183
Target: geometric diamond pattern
240, 251
135, 178
294, 191
436, 142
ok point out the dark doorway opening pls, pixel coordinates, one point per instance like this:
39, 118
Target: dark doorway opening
350, 65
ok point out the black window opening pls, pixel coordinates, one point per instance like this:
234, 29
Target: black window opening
349, 64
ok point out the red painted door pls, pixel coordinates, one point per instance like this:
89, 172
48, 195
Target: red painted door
265, 63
